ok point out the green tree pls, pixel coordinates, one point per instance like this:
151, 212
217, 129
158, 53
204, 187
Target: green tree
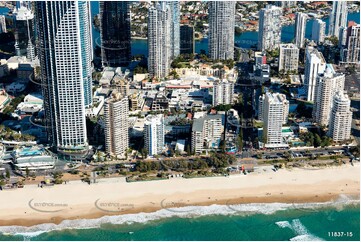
7, 173
317, 141
27, 172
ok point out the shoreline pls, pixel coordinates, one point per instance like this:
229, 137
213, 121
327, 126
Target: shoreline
113, 196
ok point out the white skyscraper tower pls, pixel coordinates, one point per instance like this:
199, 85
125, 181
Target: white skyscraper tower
315, 65
221, 29
2, 24
318, 31
341, 118
281, 98
300, 29
269, 31
275, 106
288, 60
159, 40
338, 17
116, 125
61, 55
154, 134
223, 92
327, 85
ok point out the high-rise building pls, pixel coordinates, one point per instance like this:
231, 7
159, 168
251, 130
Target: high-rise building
300, 29
115, 33
286, 4
326, 87
207, 132
86, 50
221, 29
187, 39
288, 60
159, 46
2, 24
260, 107
223, 92
353, 43
274, 111
24, 29
282, 98
342, 31
341, 118
338, 17
154, 134
269, 30
61, 55
315, 65
318, 31
116, 125
174, 28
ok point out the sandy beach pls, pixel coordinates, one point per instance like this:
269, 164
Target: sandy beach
113, 196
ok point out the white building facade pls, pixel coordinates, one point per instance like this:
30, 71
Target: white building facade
269, 30
300, 29
159, 40
326, 87
341, 118
60, 52
221, 29
116, 125
274, 111
288, 60
154, 134
338, 17
315, 64
223, 92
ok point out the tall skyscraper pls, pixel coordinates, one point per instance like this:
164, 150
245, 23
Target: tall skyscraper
315, 65
353, 43
281, 98
288, 60
221, 29
342, 31
115, 33
327, 85
186, 39
223, 92
341, 118
116, 125
2, 24
338, 17
174, 28
154, 134
61, 55
159, 40
300, 29
318, 31
269, 30
86, 50
275, 106
24, 29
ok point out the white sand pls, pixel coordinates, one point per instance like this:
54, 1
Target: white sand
32, 205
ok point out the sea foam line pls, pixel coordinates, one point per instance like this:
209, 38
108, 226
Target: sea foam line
182, 212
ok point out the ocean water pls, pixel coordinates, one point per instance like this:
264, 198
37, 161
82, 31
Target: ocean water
275, 221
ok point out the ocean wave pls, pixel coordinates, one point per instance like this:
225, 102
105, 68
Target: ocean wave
301, 232
191, 211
